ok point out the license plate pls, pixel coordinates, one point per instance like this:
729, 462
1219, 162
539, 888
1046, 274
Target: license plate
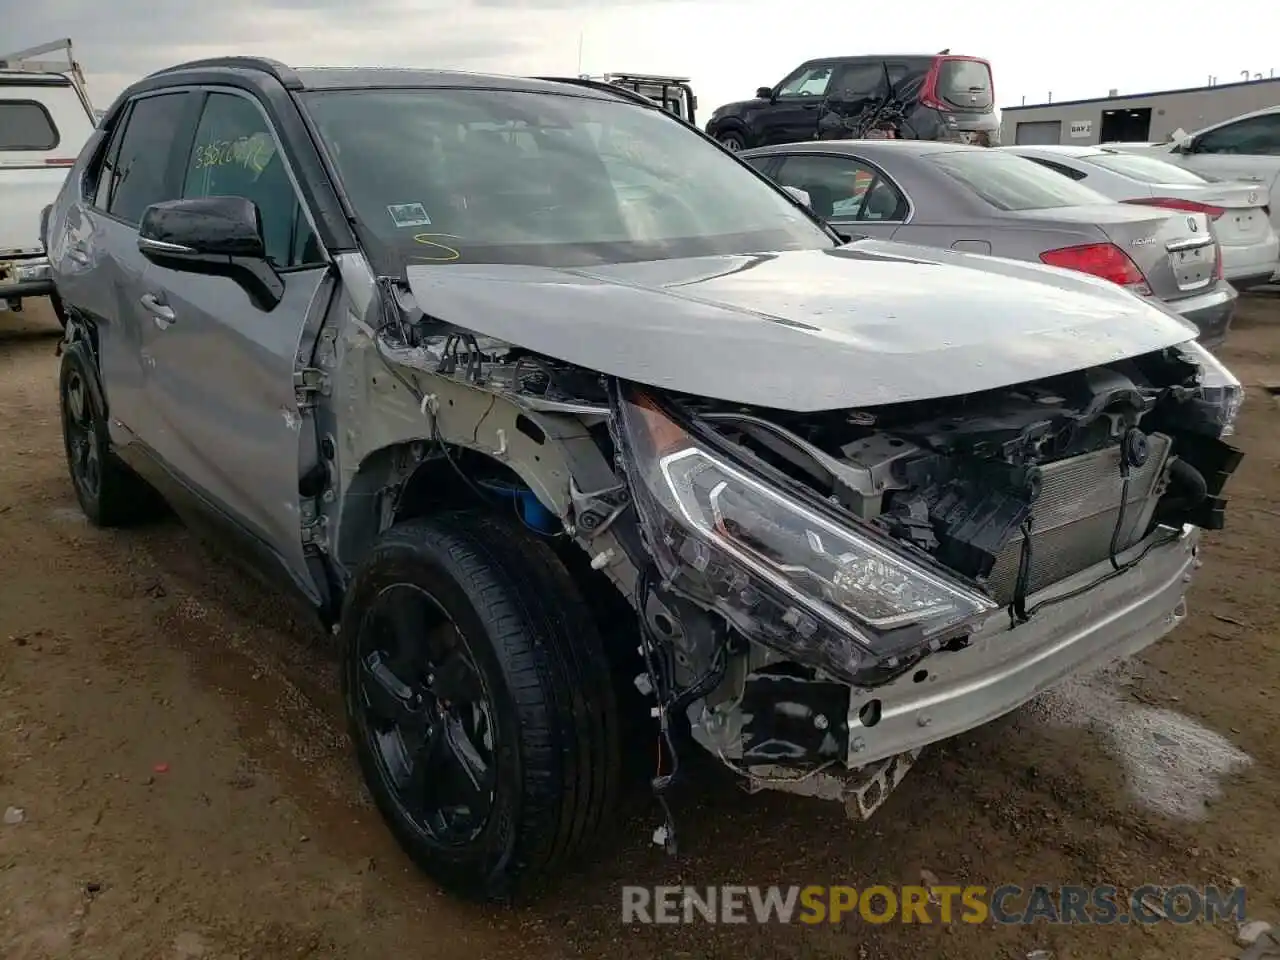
1247, 223
1192, 267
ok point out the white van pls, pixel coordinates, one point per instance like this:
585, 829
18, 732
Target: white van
45, 118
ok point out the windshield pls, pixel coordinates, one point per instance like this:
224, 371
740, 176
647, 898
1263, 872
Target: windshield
492, 176
1009, 182
1145, 169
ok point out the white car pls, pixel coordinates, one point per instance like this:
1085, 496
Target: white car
45, 118
1238, 210
1246, 147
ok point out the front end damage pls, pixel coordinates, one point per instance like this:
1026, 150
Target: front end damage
822, 595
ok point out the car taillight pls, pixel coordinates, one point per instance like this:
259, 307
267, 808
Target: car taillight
59, 161
1104, 260
928, 96
1174, 203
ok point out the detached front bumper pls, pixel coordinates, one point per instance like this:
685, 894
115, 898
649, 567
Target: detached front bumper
1001, 669
25, 277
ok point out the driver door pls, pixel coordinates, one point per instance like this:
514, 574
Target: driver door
221, 380
797, 105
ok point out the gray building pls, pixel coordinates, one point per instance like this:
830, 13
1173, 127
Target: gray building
1136, 117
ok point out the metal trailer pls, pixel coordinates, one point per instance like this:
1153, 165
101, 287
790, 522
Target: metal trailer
1139, 117
673, 93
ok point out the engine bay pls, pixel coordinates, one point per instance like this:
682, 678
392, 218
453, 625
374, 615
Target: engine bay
1109, 450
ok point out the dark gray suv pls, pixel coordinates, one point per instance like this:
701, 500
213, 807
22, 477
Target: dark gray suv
573, 427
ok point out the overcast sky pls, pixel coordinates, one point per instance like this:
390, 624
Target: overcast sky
728, 47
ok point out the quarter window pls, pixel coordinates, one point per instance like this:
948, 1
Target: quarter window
236, 155
139, 175
842, 188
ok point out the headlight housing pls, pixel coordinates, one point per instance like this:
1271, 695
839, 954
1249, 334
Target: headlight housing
1218, 387
815, 587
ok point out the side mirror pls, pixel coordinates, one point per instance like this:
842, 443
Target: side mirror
801, 195
764, 93
1182, 141
213, 236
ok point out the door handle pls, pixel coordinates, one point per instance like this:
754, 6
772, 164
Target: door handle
161, 311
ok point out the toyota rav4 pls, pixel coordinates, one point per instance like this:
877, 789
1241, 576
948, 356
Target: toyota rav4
526, 385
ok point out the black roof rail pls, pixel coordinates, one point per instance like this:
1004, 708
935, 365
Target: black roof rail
282, 72
603, 87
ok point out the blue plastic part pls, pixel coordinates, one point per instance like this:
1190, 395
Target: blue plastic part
537, 515
529, 507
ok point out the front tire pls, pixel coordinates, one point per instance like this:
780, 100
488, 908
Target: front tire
480, 702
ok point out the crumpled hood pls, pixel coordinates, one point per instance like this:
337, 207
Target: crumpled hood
869, 323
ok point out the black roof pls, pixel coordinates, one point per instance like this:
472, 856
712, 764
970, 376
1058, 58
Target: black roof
354, 78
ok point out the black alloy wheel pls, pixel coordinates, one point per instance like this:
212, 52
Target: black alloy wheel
480, 701
427, 714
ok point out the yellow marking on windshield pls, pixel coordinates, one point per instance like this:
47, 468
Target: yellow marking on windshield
448, 253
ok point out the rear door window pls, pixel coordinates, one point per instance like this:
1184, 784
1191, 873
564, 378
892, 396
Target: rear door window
843, 188
965, 84
140, 175
1010, 182
858, 81
26, 125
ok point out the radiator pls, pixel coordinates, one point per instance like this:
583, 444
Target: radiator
1075, 515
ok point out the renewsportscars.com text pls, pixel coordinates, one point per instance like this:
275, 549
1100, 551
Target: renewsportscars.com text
1005, 904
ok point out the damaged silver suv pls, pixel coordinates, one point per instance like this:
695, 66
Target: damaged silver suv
563, 418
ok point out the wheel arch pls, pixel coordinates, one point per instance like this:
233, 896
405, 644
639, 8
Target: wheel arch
477, 438
81, 342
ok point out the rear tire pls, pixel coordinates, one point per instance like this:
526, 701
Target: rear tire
109, 493
501, 621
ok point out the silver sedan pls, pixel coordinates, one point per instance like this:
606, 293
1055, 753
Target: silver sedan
992, 202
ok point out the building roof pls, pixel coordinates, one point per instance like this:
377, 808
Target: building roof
1139, 96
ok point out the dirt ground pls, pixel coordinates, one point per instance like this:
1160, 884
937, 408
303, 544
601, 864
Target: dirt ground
175, 747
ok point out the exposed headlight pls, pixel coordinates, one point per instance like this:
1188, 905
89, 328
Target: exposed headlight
814, 585
1218, 386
